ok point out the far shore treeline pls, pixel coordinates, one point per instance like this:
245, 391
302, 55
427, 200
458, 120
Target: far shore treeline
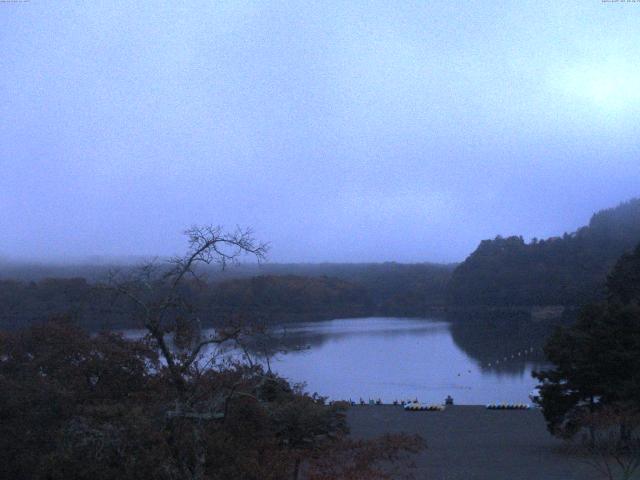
541, 276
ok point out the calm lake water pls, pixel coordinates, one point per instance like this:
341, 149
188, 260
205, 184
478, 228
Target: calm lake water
401, 358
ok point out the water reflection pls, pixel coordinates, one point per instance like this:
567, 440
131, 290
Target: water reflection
298, 336
475, 362
399, 358
504, 343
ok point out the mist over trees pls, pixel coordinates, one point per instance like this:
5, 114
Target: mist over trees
504, 272
567, 270
84, 406
110, 400
311, 292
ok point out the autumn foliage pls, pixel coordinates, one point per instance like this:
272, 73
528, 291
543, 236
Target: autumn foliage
83, 406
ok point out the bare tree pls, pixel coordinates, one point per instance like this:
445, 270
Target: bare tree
205, 396
155, 289
159, 292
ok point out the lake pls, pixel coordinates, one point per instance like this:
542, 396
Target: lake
401, 358
407, 358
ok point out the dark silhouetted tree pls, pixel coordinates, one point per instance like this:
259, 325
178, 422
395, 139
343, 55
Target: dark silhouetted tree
596, 362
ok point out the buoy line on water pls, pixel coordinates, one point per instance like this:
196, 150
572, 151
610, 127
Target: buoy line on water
417, 407
508, 406
514, 356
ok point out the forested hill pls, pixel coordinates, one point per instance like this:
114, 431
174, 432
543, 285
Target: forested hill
273, 292
567, 270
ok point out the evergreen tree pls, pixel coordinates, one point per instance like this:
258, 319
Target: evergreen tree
596, 361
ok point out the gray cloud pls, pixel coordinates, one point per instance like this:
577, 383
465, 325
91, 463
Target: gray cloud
365, 131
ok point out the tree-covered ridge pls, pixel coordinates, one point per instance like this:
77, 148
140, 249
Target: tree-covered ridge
280, 297
567, 270
313, 292
264, 298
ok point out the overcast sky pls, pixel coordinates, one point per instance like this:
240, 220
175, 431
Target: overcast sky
339, 131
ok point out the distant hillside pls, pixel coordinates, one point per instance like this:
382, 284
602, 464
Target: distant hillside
273, 292
287, 297
266, 298
30, 292
394, 288
404, 288
567, 270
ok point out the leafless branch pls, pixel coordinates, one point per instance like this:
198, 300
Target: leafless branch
211, 244
155, 290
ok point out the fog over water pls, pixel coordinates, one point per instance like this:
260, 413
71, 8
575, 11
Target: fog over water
357, 131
